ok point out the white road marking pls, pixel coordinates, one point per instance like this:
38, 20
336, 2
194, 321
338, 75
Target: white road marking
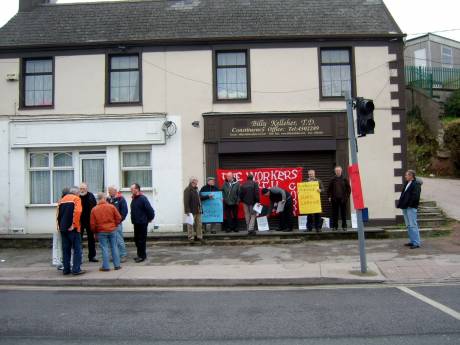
431, 302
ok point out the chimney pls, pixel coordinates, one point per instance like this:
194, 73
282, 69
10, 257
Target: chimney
29, 5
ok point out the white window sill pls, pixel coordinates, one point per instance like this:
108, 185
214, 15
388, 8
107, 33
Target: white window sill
143, 189
40, 205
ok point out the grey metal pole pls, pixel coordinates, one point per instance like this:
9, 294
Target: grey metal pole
354, 160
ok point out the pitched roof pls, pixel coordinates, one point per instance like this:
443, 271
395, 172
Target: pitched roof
158, 21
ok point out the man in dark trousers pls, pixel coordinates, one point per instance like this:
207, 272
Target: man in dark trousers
142, 214
209, 187
339, 191
192, 206
249, 196
231, 190
88, 201
116, 199
408, 202
314, 220
279, 196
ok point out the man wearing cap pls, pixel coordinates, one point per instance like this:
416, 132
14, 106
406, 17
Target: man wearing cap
208, 188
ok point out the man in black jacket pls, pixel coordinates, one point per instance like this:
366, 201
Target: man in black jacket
339, 191
408, 202
142, 214
88, 201
249, 196
209, 187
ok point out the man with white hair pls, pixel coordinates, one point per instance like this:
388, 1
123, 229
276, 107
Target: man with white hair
116, 199
88, 201
192, 206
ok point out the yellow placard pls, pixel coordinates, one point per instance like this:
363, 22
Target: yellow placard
309, 197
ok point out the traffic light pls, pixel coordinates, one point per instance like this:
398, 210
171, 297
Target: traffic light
364, 116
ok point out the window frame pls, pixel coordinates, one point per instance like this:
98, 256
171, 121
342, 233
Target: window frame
22, 82
215, 66
444, 65
141, 168
108, 71
50, 168
351, 63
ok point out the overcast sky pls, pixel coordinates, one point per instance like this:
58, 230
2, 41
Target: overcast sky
413, 16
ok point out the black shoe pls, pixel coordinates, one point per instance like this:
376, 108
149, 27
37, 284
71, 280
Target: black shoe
213, 232
318, 230
344, 229
78, 273
228, 231
137, 260
251, 233
310, 230
236, 230
66, 273
117, 268
409, 244
414, 247
93, 260
287, 230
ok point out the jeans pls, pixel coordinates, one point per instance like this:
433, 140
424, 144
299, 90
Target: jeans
410, 218
107, 239
140, 239
71, 240
121, 241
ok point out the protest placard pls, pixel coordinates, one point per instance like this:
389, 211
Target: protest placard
309, 197
212, 208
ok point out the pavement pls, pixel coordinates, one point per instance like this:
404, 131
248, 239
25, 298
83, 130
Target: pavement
308, 263
445, 192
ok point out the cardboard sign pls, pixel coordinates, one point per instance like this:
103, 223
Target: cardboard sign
213, 211
326, 223
262, 224
285, 178
356, 190
309, 197
303, 222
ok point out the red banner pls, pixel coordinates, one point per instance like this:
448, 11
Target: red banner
286, 178
356, 190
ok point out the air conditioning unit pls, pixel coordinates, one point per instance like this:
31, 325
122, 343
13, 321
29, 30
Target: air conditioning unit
12, 77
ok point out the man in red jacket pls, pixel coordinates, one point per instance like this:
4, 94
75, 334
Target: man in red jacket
104, 221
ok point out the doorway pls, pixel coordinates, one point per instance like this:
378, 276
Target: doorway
92, 171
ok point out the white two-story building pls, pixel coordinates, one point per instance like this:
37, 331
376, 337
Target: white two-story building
154, 92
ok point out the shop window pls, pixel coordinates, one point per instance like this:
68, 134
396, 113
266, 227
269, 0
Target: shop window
49, 172
232, 81
37, 83
124, 86
335, 72
136, 168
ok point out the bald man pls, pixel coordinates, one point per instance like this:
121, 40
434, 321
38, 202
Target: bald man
88, 201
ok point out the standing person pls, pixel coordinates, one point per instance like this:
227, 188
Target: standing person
278, 195
68, 220
408, 202
249, 196
209, 188
88, 201
231, 199
104, 222
339, 191
142, 214
192, 205
314, 220
57, 240
116, 199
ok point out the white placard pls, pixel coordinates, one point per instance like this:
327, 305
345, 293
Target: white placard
57, 249
303, 221
354, 221
262, 223
258, 208
326, 223
188, 219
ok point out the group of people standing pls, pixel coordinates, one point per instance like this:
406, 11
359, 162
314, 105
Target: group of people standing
101, 217
248, 193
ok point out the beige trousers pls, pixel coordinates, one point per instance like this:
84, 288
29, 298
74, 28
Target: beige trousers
196, 228
249, 216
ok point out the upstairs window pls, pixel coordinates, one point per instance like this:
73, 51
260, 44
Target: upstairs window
124, 79
37, 90
231, 76
335, 72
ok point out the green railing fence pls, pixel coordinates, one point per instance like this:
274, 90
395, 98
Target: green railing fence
430, 78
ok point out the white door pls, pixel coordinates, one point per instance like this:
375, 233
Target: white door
92, 171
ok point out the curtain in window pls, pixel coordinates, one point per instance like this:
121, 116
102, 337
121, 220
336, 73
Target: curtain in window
136, 159
143, 177
40, 187
93, 174
61, 179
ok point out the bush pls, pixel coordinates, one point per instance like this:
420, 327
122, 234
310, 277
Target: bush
422, 145
452, 105
452, 143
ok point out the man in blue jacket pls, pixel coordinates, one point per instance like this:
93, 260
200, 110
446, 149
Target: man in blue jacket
116, 199
142, 214
408, 202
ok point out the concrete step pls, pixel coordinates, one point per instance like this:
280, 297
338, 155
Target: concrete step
432, 222
426, 203
428, 215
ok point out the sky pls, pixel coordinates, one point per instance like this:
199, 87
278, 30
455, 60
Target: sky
414, 17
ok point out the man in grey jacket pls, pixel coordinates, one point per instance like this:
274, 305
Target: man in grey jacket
231, 190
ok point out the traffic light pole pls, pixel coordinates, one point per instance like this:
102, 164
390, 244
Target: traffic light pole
354, 160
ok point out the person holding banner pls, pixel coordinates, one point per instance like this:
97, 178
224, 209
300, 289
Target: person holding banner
314, 220
249, 196
280, 203
210, 187
192, 206
339, 191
